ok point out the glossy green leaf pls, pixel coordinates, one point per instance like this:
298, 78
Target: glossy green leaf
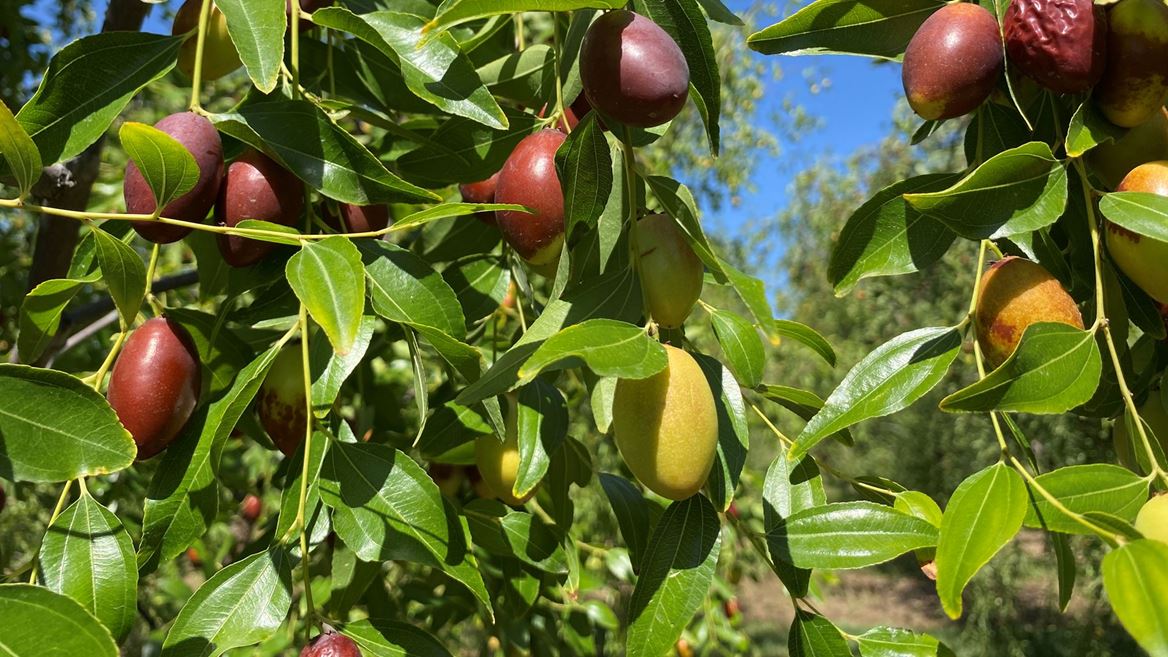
480, 283
632, 515
1135, 577
605, 346
380, 637
56, 428
789, 488
1088, 129
887, 380
168, 167
812, 635
584, 164
315, 515
1016, 191
985, 512
1082, 488
542, 426
733, 432
806, 336
848, 535
448, 210
257, 29
330, 369
895, 642
405, 289
329, 279
515, 534
124, 273
19, 151
461, 11
433, 67
741, 345
34, 615
675, 576
1066, 566
41, 311
918, 505
525, 77
459, 149
241, 605
803, 403
1140, 212
880, 29
1055, 368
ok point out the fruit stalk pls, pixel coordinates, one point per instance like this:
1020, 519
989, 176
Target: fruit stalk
978, 357
32, 578
630, 157
300, 521
200, 44
294, 63
558, 117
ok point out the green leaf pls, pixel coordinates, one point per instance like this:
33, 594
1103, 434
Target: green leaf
895, 642
88, 555
1065, 563
124, 273
257, 29
40, 314
720, 12
887, 380
386, 507
806, 336
35, 616
607, 347
887, 237
918, 505
1088, 129
848, 535
405, 289
789, 488
1016, 191
632, 515
241, 605
985, 512
676, 574
515, 534
433, 67
302, 138
330, 369
329, 279
542, 426
875, 28
1135, 577
315, 515
733, 432
448, 210
460, 149
1140, 212
1084, 488
526, 76
280, 231
54, 428
803, 403
461, 11
812, 635
380, 637
584, 163
1055, 368
741, 346
88, 84
169, 168
480, 283
19, 151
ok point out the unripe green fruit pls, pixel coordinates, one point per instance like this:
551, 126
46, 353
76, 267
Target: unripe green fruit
219, 54
1156, 416
281, 401
666, 427
953, 61
498, 462
1135, 81
1152, 520
1016, 293
671, 273
1147, 142
1142, 259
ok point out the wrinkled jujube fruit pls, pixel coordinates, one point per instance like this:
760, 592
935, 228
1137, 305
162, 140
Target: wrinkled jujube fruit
199, 137
952, 62
1154, 414
331, 644
155, 384
671, 273
357, 218
1061, 44
666, 427
219, 54
1152, 520
255, 187
1141, 258
498, 462
529, 178
250, 508
632, 70
1147, 142
1135, 80
281, 401
1016, 293
482, 191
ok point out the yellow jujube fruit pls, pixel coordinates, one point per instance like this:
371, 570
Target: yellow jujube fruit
666, 427
671, 273
1152, 520
1016, 293
1141, 258
498, 462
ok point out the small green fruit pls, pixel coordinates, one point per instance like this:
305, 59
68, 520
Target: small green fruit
281, 401
219, 54
1016, 293
1142, 259
666, 427
671, 273
498, 462
1152, 520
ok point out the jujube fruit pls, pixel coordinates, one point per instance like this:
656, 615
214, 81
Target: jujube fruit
1061, 44
281, 401
255, 187
632, 70
357, 218
529, 178
448, 477
482, 191
1147, 142
1141, 258
498, 462
1152, 520
1016, 293
331, 644
199, 137
1135, 80
671, 273
666, 427
1154, 414
219, 54
155, 384
250, 508
952, 62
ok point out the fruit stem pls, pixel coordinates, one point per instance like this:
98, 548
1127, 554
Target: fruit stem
1112, 539
781, 436
559, 114
151, 299
300, 520
329, 37
99, 375
200, 44
630, 157
977, 355
32, 578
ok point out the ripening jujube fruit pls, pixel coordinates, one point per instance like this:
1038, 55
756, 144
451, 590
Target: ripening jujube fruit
1135, 80
155, 384
482, 191
1061, 44
666, 427
1152, 520
498, 462
357, 218
952, 62
199, 137
632, 70
1141, 258
281, 401
255, 187
529, 178
1016, 293
1147, 142
1155, 416
251, 507
331, 644
219, 54
671, 273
